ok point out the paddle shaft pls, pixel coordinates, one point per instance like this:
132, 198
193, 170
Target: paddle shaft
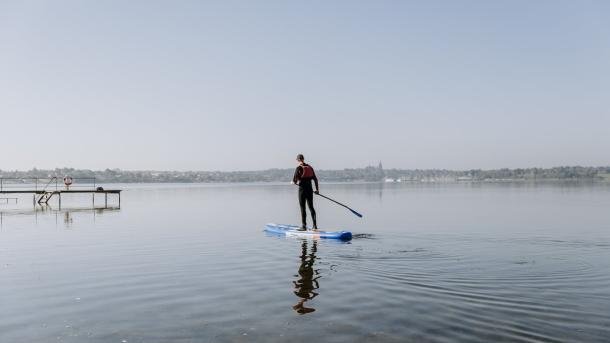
338, 203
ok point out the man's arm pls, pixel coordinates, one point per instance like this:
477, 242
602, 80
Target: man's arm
315, 180
296, 176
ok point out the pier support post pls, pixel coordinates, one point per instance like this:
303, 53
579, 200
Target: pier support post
59, 201
105, 200
93, 199
119, 199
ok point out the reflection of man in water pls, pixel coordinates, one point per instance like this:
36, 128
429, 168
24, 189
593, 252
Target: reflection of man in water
307, 283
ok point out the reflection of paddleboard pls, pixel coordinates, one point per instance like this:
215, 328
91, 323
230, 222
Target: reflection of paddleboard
293, 230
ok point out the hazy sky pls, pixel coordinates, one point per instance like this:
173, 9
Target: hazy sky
244, 85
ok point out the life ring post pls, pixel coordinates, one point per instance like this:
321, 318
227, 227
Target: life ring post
67, 181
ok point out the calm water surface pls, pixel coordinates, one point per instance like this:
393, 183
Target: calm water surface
430, 263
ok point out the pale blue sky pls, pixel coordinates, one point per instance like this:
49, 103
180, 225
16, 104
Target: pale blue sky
244, 85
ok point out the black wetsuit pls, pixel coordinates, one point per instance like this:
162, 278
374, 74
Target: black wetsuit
303, 176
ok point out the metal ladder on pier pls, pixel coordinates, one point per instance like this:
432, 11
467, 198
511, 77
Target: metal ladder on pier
46, 195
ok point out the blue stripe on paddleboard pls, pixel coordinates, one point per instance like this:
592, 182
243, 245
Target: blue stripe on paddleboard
293, 230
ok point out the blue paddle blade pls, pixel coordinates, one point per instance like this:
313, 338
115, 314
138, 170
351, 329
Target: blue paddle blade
356, 213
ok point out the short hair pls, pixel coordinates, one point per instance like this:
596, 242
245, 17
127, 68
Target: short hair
300, 157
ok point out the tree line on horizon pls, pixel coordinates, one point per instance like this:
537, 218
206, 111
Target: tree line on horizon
367, 174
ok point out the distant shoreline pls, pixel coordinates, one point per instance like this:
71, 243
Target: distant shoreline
366, 174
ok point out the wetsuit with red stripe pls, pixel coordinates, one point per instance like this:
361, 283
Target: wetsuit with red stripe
303, 176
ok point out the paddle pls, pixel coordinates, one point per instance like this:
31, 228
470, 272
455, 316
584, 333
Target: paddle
338, 203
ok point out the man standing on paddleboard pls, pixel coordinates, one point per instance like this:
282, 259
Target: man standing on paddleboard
303, 176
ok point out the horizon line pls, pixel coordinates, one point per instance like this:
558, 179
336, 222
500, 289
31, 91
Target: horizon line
289, 168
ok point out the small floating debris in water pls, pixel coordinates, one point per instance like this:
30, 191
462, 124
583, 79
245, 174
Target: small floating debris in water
413, 250
524, 262
363, 235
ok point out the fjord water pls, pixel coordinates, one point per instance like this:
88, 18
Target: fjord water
429, 263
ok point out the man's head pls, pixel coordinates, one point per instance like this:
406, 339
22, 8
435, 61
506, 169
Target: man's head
300, 158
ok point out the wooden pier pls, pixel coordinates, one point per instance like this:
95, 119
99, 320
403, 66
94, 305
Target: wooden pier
44, 190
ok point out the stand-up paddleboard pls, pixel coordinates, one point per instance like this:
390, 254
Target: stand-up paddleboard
293, 230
